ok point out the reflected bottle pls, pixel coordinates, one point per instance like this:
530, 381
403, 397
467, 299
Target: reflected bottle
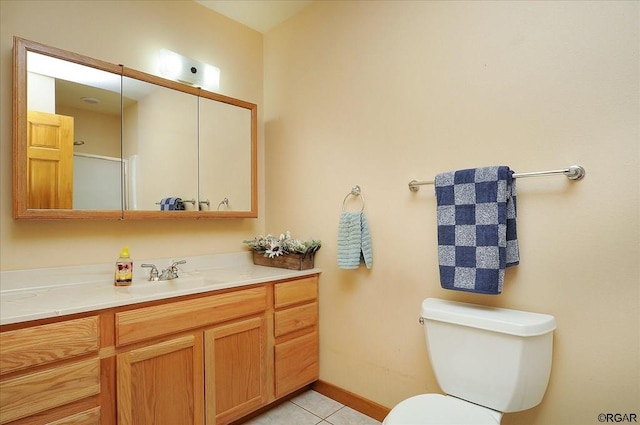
124, 269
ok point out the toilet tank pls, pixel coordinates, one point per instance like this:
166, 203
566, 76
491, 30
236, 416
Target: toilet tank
495, 357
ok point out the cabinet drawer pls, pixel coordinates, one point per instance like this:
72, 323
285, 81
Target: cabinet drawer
296, 318
44, 344
149, 322
296, 291
296, 363
29, 394
88, 417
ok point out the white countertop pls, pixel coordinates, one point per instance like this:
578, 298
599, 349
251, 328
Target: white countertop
43, 293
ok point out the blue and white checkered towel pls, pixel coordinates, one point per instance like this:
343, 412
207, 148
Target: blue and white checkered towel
171, 204
476, 228
354, 241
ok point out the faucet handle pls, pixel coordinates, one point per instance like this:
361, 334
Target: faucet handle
153, 274
171, 272
175, 263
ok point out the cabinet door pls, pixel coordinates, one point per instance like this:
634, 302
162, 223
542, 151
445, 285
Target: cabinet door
225, 156
297, 363
235, 364
162, 384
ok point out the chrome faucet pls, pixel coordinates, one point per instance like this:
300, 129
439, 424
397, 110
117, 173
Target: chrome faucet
169, 273
153, 274
172, 271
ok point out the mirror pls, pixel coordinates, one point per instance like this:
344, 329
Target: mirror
136, 140
223, 156
159, 144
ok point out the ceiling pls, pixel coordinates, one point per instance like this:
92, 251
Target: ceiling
261, 15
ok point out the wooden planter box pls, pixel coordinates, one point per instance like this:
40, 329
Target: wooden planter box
285, 261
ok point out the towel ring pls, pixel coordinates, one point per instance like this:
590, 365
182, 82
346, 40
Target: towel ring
355, 191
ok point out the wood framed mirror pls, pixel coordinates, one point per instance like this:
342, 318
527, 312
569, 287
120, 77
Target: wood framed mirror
94, 140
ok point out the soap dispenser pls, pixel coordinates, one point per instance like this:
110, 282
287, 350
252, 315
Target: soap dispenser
124, 269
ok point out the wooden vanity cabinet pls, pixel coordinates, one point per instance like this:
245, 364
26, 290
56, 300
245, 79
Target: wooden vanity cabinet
296, 334
208, 359
51, 373
193, 362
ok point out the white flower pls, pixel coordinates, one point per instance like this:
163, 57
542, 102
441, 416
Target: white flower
274, 250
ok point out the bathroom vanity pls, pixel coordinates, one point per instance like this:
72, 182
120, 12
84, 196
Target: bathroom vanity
209, 349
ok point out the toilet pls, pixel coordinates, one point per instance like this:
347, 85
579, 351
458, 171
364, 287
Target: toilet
487, 360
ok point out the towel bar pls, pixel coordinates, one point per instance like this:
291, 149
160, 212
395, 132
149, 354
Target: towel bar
574, 172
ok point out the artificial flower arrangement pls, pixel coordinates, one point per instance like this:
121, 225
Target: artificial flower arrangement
273, 246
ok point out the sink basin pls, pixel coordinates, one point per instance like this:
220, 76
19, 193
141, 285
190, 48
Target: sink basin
179, 285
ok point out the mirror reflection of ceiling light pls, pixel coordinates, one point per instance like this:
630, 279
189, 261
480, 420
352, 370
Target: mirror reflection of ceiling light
91, 100
179, 68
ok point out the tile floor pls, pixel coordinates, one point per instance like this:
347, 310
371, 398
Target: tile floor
312, 408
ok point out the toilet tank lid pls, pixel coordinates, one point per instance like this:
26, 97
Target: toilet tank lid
503, 320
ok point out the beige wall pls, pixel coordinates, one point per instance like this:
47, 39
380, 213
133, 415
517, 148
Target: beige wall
130, 33
378, 93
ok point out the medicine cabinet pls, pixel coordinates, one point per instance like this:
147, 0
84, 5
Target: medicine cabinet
96, 140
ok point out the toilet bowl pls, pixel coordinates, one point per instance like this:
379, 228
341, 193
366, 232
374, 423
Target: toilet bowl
487, 360
438, 409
